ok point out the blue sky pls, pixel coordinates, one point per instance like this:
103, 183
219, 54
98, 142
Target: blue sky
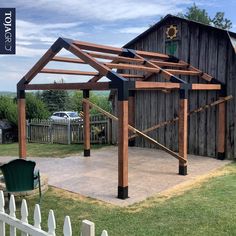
112, 22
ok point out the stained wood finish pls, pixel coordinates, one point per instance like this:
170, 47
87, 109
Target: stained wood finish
151, 140
209, 51
69, 86
86, 122
68, 59
97, 47
131, 114
221, 128
103, 70
123, 143
206, 87
39, 65
174, 120
183, 130
134, 67
22, 127
183, 72
68, 72
115, 50
156, 85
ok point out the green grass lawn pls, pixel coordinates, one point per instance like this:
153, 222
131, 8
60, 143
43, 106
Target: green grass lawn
208, 209
43, 150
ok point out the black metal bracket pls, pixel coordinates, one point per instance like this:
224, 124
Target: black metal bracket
172, 59
61, 43
128, 53
20, 94
122, 192
183, 91
85, 93
122, 85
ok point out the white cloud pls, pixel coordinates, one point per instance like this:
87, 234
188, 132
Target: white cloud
106, 10
132, 30
38, 36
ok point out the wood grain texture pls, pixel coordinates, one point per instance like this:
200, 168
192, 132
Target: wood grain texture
183, 130
86, 123
22, 127
123, 143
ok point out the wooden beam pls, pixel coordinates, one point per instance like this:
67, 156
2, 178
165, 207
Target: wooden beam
68, 72
183, 135
103, 70
132, 67
97, 47
156, 85
115, 50
122, 149
206, 87
69, 86
221, 131
39, 65
138, 132
182, 72
136, 60
86, 124
68, 59
21, 124
132, 76
172, 121
131, 100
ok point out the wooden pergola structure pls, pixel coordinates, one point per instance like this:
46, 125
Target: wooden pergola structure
148, 63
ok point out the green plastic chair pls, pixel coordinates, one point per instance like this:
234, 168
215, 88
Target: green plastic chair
20, 176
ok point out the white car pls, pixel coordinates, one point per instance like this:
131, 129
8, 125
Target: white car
65, 115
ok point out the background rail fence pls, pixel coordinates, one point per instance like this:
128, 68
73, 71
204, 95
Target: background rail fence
22, 226
69, 131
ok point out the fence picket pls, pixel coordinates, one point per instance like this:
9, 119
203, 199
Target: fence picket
87, 229
104, 233
67, 230
12, 208
68, 131
37, 217
51, 223
24, 214
2, 205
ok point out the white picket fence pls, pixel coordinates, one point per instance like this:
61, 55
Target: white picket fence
22, 225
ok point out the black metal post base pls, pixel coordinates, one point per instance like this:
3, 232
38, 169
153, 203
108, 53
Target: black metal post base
183, 170
87, 153
122, 192
221, 156
132, 143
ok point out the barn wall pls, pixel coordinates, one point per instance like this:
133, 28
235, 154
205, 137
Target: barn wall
210, 51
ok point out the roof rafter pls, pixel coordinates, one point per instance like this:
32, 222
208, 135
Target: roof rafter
149, 63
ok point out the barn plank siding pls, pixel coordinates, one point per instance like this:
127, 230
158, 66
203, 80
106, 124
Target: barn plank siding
209, 50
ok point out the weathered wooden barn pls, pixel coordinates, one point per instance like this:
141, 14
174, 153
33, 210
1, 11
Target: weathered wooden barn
210, 49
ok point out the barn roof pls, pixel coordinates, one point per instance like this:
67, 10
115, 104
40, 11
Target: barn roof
229, 34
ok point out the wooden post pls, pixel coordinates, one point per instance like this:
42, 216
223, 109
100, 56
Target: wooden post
86, 123
221, 131
131, 112
21, 123
123, 148
183, 130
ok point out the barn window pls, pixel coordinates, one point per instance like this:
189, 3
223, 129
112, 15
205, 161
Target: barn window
172, 40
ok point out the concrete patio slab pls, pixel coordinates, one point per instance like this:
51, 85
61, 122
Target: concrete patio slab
151, 171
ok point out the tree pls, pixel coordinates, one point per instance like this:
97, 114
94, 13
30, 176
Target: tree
35, 108
220, 21
196, 14
200, 15
98, 99
8, 109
